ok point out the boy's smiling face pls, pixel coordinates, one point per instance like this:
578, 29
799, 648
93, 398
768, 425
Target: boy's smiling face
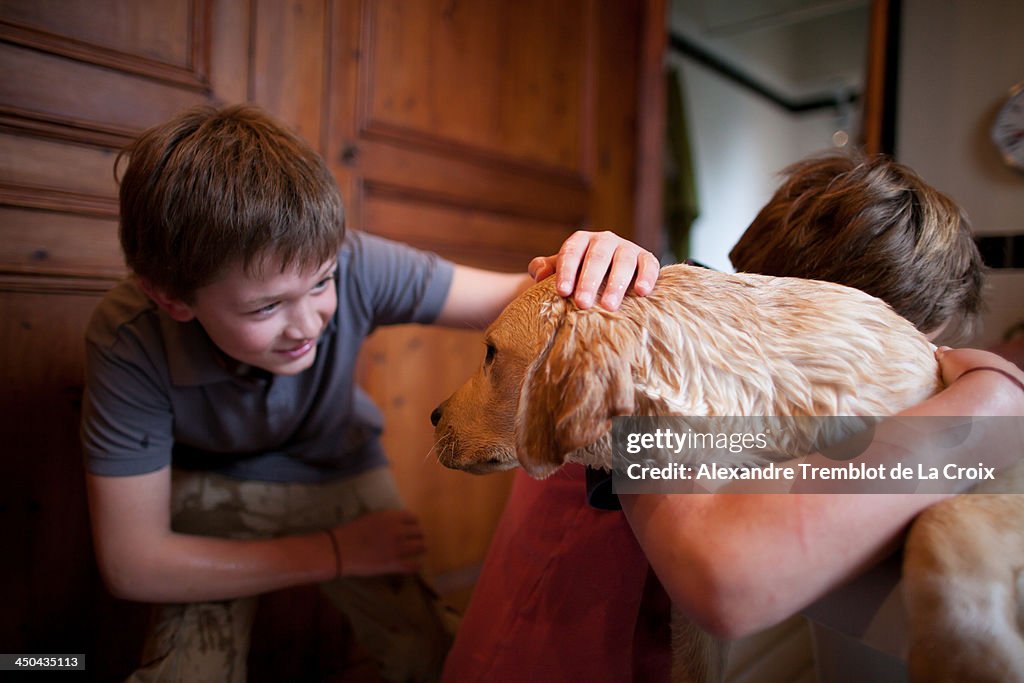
272, 320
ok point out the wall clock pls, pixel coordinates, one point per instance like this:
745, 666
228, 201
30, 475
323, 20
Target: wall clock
1008, 129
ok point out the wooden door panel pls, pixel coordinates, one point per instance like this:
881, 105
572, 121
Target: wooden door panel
49, 575
461, 73
78, 95
109, 69
61, 244
486, 130
163, 40
47, 164
160, 32
440, 172
472, 101
465, 234
289, 63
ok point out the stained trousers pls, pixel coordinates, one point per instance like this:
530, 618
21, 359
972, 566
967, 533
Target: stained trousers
397, 619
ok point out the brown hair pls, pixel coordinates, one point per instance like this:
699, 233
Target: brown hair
873, 224
212, 186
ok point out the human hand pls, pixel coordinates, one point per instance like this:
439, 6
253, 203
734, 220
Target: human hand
384, 542
954, 363
587, 259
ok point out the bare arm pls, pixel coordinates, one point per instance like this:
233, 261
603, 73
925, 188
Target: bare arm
476, 297
585, 261
738, 563
141, 558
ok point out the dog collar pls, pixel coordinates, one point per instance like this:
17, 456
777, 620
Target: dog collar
599, 490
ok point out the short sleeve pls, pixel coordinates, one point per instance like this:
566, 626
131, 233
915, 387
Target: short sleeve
398, 283
127, 421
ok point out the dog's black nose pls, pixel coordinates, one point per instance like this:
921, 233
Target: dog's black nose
435, 416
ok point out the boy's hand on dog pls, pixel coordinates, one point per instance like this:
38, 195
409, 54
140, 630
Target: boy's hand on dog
384, 542
588, 259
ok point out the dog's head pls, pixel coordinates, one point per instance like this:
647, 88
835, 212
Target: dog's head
552, 378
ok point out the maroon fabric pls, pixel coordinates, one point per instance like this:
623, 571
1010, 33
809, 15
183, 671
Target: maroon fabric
565, 594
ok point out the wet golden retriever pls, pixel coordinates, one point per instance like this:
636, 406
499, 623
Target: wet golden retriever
703, 343
963, 585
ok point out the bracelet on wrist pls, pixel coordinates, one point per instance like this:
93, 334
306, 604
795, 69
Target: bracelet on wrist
1004, 373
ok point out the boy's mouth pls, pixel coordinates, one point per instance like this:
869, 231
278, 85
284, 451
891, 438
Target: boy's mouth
298, 351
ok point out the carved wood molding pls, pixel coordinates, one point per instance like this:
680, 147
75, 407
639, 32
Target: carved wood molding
63, 201
559, 215
65, 129
194, 75
21, 283
373, 129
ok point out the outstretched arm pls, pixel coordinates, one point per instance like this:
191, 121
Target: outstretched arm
141, 558
738, 563
585, 261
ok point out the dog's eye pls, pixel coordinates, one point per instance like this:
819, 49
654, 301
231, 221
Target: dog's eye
489, 358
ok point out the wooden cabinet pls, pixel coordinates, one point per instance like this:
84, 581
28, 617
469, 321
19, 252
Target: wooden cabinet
485, 130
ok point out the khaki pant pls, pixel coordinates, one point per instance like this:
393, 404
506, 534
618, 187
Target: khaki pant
397, 619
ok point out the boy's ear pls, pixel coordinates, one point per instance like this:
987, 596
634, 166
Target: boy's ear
176, 308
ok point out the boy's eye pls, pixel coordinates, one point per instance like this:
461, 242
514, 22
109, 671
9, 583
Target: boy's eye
269, 308
323, 283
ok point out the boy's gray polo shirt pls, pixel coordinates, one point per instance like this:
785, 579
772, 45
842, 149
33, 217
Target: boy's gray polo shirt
156, 387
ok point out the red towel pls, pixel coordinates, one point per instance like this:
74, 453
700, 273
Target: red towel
565, 594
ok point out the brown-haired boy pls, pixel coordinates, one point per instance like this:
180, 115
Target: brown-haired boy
230, 355
876, 225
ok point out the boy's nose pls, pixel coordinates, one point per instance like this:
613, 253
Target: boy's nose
306, 324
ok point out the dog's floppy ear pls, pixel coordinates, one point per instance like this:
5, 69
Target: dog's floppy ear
572, 390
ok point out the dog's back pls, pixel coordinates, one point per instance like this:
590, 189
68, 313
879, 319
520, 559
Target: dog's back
706, 343
757, 345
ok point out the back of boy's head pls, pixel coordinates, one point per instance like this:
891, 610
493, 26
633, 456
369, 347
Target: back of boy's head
213, 187
873, 224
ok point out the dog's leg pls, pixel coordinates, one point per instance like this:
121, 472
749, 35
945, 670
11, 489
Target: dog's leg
697, 657
961, 582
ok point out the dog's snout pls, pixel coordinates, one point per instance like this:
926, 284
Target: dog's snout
435, 416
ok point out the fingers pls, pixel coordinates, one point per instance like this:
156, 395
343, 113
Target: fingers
383, 542
567, 263
641, 269
597, 261
542, 267
408, 536
407, 541
955, 362
648, 270
588, 259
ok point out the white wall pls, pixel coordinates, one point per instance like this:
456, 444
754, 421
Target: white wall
740, 142
957, 61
